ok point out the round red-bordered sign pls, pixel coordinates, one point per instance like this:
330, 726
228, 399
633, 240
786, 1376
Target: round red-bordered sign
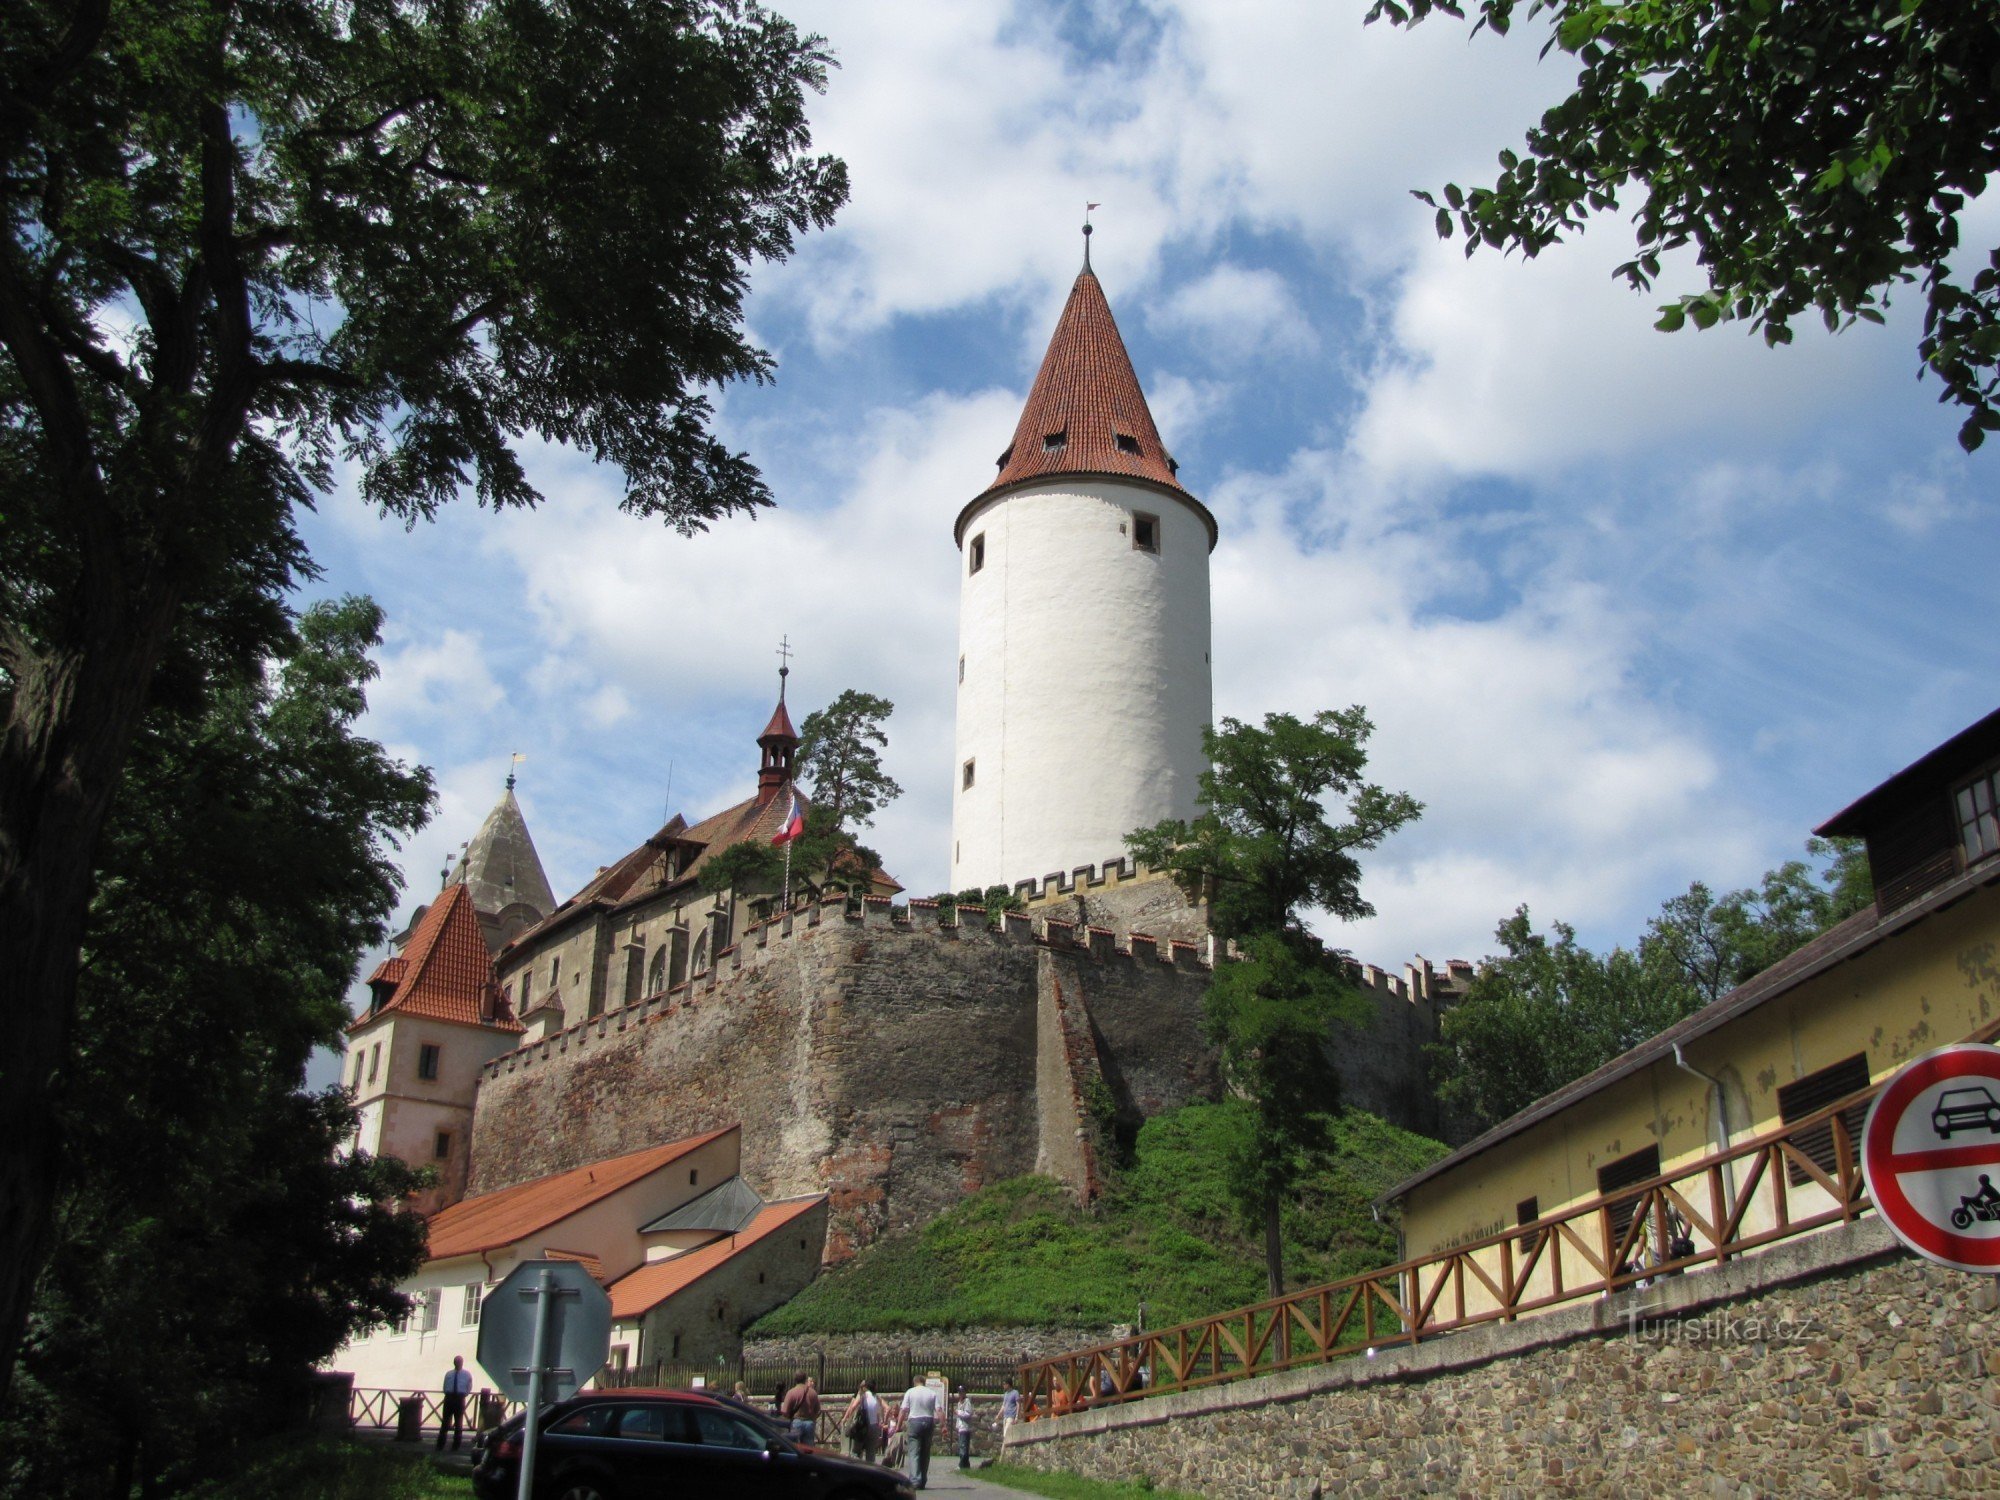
1930, 1153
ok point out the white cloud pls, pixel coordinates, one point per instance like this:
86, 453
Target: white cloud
1234, 312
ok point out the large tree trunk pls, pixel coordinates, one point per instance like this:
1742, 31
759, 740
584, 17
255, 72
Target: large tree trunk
1274, 1246
69, 722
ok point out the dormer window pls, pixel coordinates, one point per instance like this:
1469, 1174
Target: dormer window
975, 555
1001, 461
1127, 444
1978, 805
1055, 442
1173, 464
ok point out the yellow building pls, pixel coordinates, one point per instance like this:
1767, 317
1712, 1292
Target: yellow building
1918, 969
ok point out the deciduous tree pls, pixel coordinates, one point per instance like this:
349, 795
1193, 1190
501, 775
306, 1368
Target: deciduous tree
1815, 157
255, 245
1286, 813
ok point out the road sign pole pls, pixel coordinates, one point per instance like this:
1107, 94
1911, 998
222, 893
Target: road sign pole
545, 1301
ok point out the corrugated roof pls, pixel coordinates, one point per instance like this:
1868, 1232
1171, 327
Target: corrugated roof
444, 970
638, 1292
493, 1220
724, 1209
1086, 414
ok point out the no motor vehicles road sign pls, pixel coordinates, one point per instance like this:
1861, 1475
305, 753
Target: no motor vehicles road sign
1930, 1153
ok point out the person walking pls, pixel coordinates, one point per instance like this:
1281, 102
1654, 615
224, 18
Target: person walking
1010, 1410
862, 1422
920, 1414
801, 1408
961, 1421
457, 1386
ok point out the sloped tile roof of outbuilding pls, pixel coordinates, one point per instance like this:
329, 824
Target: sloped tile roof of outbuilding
490, 1221
640, 1291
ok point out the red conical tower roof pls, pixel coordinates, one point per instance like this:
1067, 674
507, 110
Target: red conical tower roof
1086, 414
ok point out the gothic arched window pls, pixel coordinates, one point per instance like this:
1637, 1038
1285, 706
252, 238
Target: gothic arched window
656, 977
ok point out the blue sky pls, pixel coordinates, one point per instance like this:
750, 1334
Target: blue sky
1628, 609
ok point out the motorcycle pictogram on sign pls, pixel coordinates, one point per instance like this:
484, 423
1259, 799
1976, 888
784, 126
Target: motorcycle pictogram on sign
1930, 1150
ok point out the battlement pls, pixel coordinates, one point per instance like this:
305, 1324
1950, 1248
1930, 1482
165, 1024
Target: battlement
1056, 884
945, 923
1420, 983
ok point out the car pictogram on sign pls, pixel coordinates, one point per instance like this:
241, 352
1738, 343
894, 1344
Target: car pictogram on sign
1936, 1192
1965, 1109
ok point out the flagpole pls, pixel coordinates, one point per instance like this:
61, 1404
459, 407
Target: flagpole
786, 903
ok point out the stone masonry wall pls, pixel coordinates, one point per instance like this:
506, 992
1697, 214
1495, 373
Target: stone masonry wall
1837, 1365
885, 1061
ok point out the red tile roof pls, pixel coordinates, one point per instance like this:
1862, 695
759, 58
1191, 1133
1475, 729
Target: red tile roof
780, 726
1087, 395
640, 1291
444, 970
491, 1221
590, 1263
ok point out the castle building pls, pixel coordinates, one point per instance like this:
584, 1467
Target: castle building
1061, 753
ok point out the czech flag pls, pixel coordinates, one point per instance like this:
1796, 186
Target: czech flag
795, 821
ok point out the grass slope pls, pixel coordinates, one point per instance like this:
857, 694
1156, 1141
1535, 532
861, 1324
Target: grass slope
1022, 1253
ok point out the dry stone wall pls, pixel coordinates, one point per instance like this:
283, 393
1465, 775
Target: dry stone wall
1846, 1367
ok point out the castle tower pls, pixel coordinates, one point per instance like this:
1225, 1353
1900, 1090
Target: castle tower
503, 875
1083, 671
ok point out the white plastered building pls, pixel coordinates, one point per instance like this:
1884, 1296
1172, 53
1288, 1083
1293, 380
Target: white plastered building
1083, 671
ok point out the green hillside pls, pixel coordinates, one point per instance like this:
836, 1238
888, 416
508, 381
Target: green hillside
1021, 1252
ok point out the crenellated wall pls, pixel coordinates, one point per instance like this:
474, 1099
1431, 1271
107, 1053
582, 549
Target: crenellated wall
889, 1057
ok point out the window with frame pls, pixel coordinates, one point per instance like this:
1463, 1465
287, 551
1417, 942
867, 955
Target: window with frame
374, 1060
527, 989
1622, 1173
555, 973
1145, 532
968, 775
1978, 807
427, 1060
428, 1302
404, 1318
975, 555
1526, 1212
1811, 1094
656, 973
468, 1307
441, 1145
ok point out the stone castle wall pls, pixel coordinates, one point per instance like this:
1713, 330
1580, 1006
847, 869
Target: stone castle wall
1838, 1365
892, 1062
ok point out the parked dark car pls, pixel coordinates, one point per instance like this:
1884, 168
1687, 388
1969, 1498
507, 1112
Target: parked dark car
670, 1445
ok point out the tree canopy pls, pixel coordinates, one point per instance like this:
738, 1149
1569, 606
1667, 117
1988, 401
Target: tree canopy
1815, 157
255, 247
840, 756
1266, 847
212, 1240
1547, 1010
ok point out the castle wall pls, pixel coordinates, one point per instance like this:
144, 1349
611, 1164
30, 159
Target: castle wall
885, 1060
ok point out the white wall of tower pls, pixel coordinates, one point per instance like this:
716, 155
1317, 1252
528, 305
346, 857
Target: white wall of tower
1085, 679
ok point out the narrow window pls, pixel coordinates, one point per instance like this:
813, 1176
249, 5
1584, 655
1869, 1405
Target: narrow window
961, 669
527, 989
1979, 817
965, 781
1128, 444
427, 1060
555, 972
656, 974
694, 1176
1145, 533
442, 1146
976, 558
677, 1348
1811, 1094
677, 969
701, 954
468, 1311
1623, 1173
374, 1058
1055, 442
635, 970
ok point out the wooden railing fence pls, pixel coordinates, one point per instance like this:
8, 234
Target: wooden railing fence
1790, 1181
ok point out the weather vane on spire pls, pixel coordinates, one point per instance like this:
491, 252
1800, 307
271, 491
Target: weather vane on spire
784, 664
1088, 210
512, 761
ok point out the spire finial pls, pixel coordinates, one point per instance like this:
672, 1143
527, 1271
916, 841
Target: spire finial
784, 664
1088, 209
512, 761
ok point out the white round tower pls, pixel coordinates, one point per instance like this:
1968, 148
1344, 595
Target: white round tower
1083, 633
